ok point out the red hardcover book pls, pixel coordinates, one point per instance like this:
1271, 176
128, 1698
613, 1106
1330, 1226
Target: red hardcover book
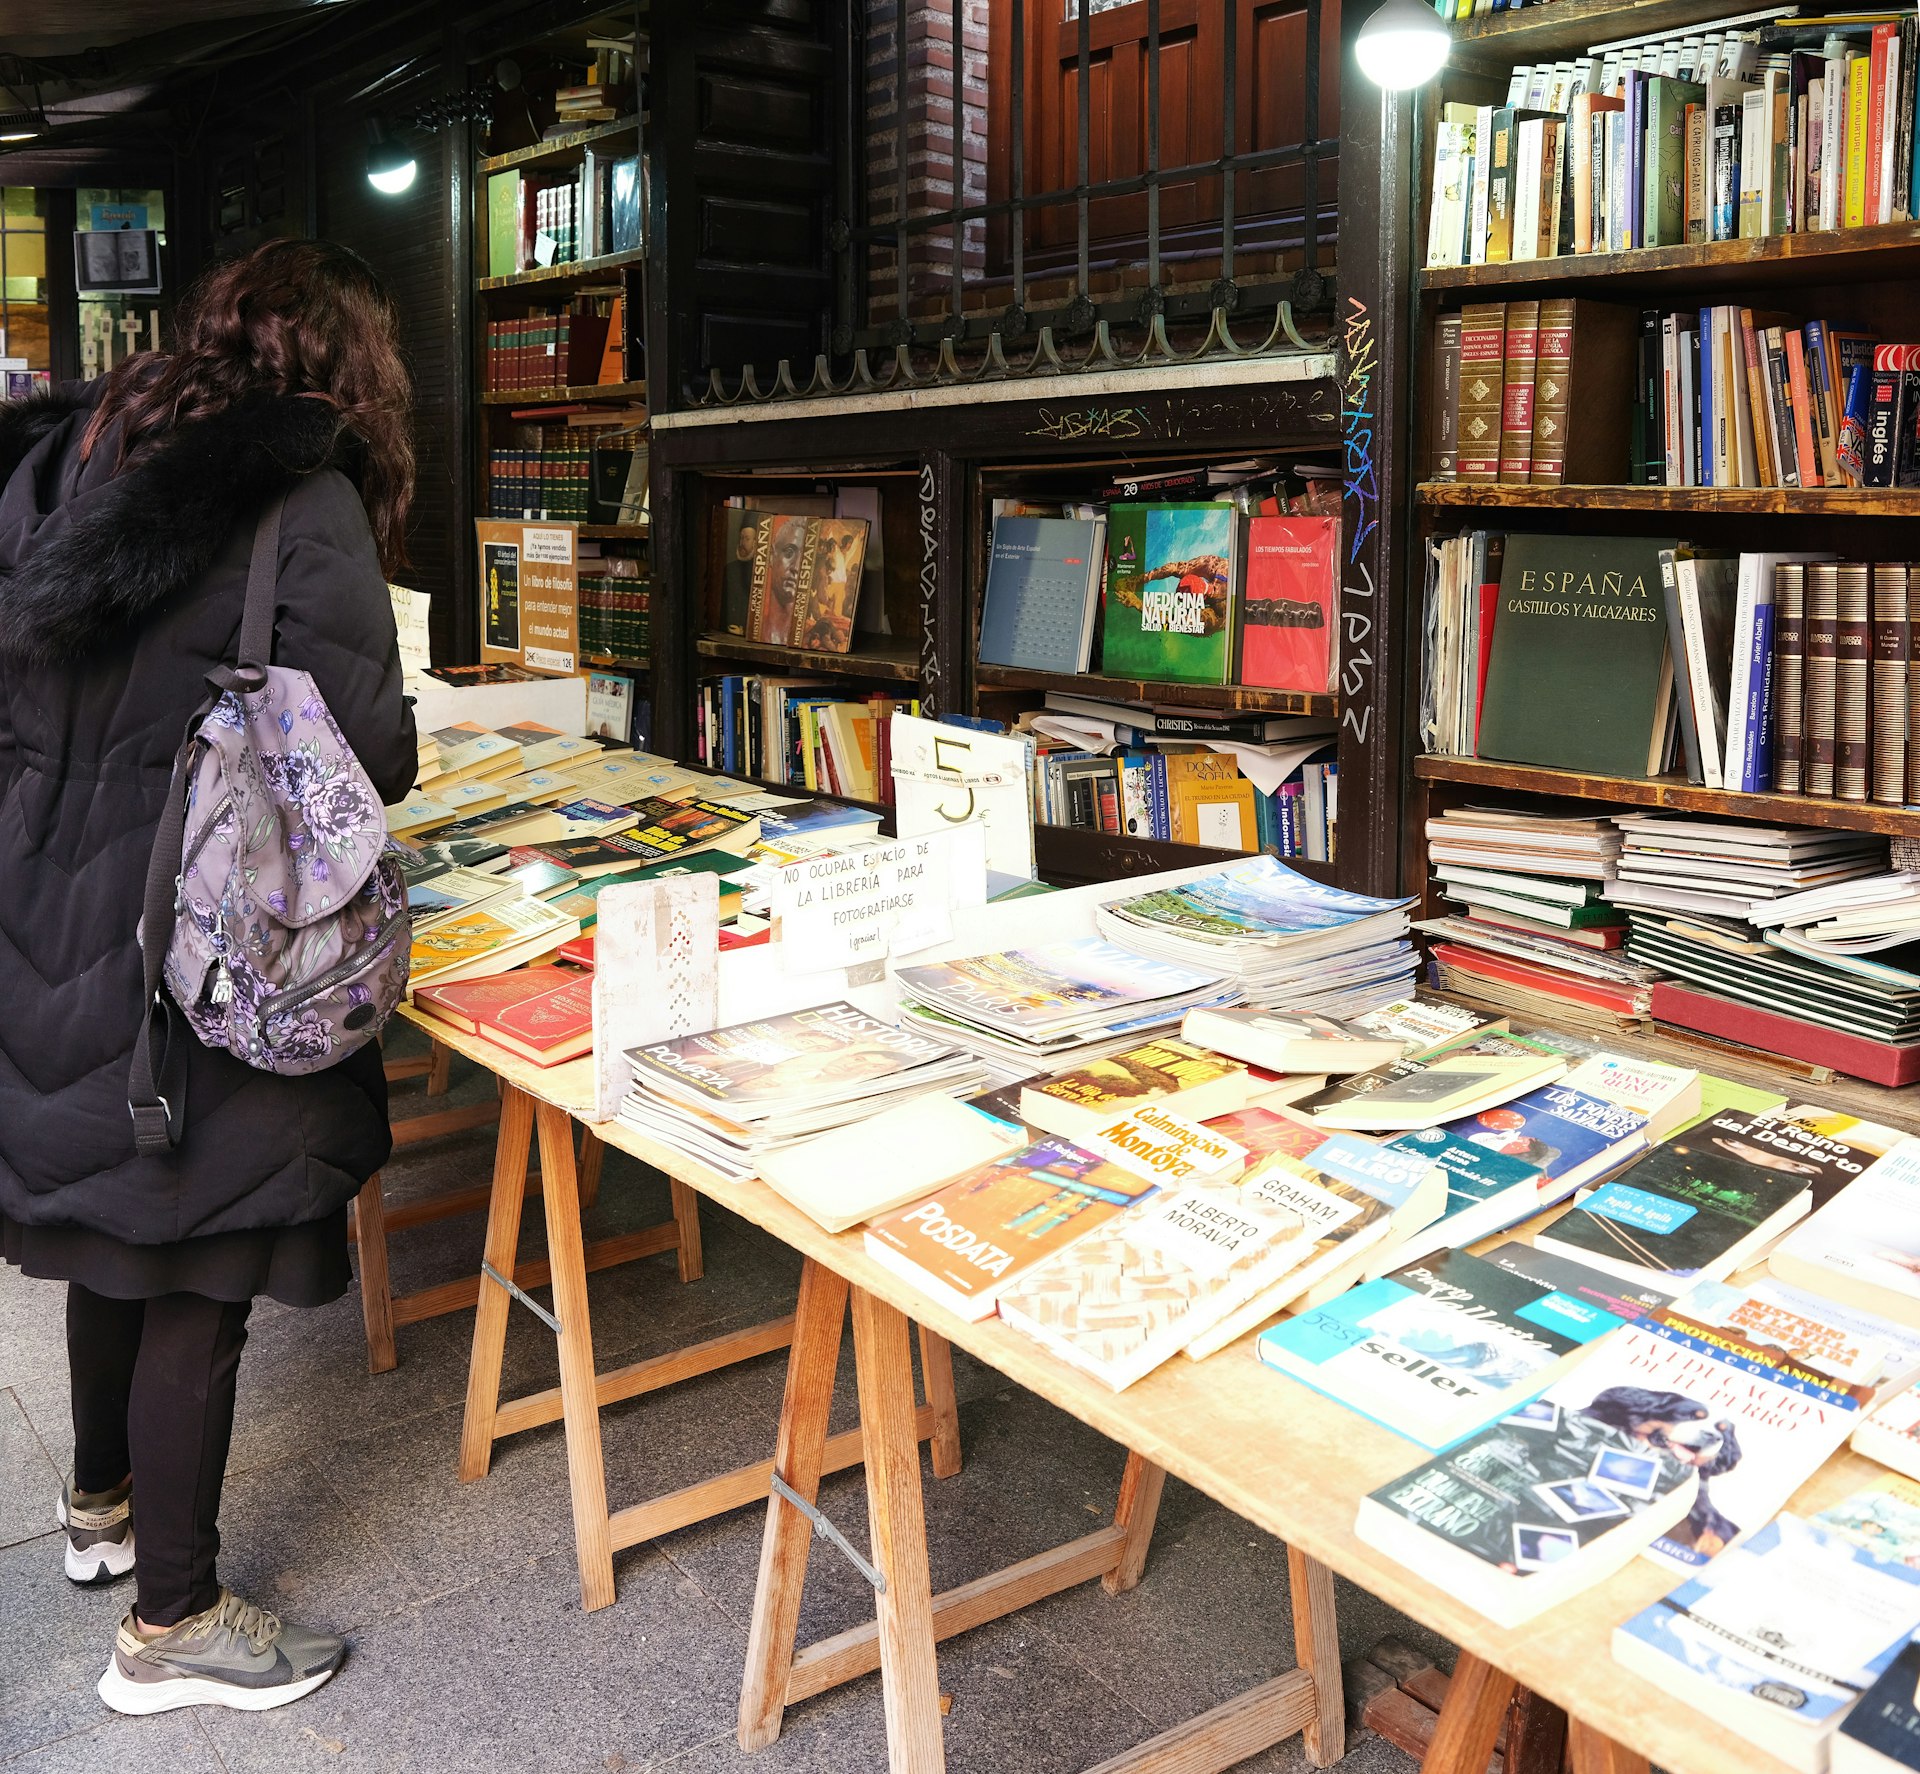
467, 1003
578, 953
1879, 1062
1290, 604
744, 939
546, 1025
1623, 1001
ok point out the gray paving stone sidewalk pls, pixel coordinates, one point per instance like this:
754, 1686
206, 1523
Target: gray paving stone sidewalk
470, 1649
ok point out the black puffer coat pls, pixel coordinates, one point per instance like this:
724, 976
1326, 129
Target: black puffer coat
118, 592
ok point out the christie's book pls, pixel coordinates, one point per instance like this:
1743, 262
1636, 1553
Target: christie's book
1168, 606
1579, 676
1437, 1348
975, 1238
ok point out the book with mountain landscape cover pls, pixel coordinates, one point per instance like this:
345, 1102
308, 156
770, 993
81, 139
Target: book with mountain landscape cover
1695, 1206
1168, 605
1560, 1492
1438, 1347
968, 1242
1579, 676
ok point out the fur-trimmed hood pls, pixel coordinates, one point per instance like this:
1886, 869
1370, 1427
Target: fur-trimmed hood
86, 553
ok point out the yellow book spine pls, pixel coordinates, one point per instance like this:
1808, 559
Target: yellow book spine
809, 740
1859, 98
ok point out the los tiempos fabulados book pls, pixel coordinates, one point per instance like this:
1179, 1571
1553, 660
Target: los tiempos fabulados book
1169, 593
1694, 1207
976, 1237
1285, 627
1562, 1491
1437, 1348
1777, 1638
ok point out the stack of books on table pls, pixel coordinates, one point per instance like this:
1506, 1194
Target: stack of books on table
731, 1096
1729, 868
1036, 1009
1538, 935
1279, 937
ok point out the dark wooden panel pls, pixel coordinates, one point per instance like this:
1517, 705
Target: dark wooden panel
738, 228
756, 110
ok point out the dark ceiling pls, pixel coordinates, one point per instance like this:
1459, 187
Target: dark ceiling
35, 28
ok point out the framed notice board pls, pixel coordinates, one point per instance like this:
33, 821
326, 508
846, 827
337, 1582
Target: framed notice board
529, 595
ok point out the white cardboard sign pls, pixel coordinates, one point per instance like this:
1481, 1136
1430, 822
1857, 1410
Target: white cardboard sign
892, 897
655, 956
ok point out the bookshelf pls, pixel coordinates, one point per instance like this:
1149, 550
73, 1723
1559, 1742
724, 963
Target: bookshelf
937, 470
1861, 276
601, 284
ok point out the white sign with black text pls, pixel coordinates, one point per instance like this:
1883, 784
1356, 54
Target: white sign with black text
891, 897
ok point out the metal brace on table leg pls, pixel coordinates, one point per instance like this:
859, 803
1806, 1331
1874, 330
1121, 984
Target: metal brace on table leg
826, 1528
520, 1293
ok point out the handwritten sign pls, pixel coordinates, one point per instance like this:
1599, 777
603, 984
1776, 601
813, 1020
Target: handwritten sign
890, 898
952, 776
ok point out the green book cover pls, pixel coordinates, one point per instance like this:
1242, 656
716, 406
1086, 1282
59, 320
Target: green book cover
1574, 681
503, 223
1169, 594
1666, 159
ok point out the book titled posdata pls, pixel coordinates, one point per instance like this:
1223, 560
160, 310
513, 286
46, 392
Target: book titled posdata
966, 1244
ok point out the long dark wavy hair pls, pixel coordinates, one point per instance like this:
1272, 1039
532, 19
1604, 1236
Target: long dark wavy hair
292, 317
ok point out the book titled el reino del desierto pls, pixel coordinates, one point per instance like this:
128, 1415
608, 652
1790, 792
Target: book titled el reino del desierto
1579, 676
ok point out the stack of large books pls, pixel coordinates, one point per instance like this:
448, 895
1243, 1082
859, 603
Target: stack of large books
1057, 1004
732, 1095
1538, 934
1860, 917
1281, 938
1729, 868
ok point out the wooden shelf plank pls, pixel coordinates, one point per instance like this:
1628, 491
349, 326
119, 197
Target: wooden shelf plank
1743, 501
898, 664
574, 268
1221, 696
614, 661
1571, 27
561, 147
587, 393
617, 532
1675, 792
1068, 855
1885, 252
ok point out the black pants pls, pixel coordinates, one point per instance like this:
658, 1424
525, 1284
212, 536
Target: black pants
153, 1385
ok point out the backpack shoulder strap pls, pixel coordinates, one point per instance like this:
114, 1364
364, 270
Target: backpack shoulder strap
157, 1120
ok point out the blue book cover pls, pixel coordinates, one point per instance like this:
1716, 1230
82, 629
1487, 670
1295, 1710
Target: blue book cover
1705, 336
1042, 579
1387, 1174
1795, 1622
1476, 1175
1436, 1349
1756, 750
1556, 1130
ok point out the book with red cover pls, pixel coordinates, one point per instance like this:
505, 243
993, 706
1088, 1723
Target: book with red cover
1879, 1062
1285, 622
544, 1014
578, 953
1623, 1001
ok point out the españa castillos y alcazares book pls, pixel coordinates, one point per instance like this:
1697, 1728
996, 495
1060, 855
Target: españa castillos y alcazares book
1579, 677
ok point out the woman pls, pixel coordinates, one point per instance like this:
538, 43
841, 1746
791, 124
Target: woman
127, 513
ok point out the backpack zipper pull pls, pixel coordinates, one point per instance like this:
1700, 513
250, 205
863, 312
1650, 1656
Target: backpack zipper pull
222, 983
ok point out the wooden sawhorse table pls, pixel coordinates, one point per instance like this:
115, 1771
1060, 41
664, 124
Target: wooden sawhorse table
909, 1620
577, 1400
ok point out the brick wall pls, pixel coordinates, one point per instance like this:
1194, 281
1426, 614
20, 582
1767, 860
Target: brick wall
934, 63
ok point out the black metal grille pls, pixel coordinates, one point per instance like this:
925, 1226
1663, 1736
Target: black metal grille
911, 240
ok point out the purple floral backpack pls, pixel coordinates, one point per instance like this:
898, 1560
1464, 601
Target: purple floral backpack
273, 912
